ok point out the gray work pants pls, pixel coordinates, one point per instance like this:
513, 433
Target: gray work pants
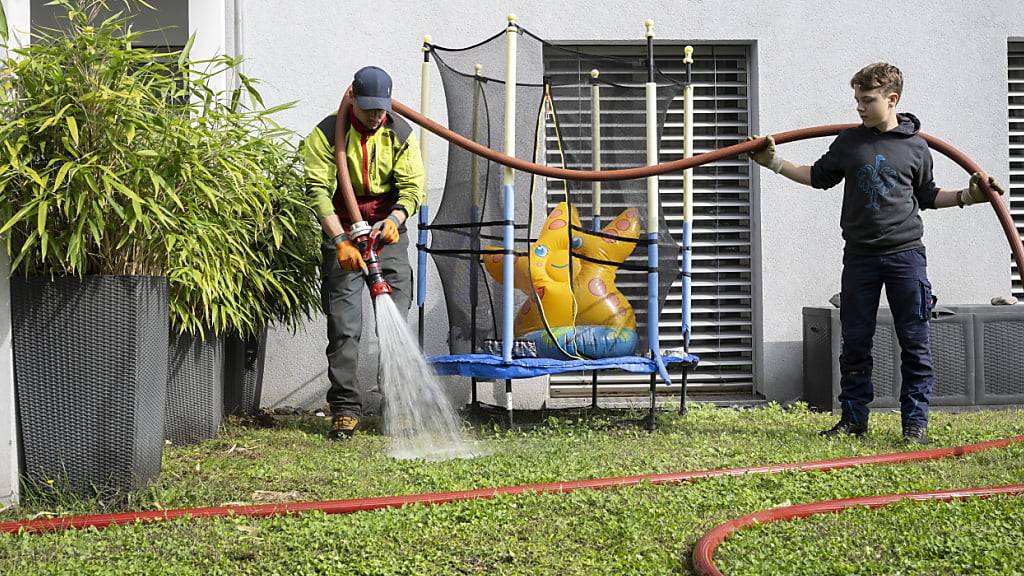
341, 297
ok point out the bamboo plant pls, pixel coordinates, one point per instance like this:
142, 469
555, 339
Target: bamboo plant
122, 160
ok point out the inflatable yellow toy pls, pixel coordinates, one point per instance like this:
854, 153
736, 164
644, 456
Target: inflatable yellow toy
601, 324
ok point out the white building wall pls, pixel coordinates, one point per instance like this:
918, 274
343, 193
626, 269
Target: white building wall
953, 56
17, 12
8, 427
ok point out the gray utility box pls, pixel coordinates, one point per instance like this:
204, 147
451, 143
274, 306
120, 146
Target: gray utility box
977, 354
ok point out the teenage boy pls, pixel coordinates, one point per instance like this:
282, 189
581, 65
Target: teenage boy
887, 167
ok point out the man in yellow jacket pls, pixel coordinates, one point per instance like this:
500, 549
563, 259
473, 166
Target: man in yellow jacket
387, 176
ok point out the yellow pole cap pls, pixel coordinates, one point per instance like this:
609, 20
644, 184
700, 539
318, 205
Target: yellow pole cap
426, 42
478, 68
688, 55
649, 27
511, 18
595, 73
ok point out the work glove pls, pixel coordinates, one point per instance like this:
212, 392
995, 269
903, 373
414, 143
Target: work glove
974, 193
766, 156
388, 229
349, 257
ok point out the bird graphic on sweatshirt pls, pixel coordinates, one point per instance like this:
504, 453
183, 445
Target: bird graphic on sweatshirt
875, 181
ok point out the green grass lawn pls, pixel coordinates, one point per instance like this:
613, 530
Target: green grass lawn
639, 530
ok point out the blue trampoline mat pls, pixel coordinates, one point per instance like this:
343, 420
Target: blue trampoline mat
491, 366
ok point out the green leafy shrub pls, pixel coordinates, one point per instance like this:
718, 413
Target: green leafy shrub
123, 160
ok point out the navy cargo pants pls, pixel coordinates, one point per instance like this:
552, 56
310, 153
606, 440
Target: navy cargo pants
904, 275
341, 295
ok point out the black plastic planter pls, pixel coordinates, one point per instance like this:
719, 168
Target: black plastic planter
243, 373
90, 369
195, 397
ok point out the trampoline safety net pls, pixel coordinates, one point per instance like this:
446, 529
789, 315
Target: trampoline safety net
575, 266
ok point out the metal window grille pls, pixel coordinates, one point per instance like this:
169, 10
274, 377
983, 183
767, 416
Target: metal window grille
722, 306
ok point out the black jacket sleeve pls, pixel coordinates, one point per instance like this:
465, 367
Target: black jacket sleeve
924, 186
828, 170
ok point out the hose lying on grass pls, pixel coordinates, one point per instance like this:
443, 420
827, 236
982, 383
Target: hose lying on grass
367, 504
704, 551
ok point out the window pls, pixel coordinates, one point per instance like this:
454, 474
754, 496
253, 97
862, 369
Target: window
1015, 102
166, 25
721, 303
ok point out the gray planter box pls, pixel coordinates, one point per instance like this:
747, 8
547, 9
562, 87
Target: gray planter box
976, 354
195, 387
999, 353
243, 373
90, 379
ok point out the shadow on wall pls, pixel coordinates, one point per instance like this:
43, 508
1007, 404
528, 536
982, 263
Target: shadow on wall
307, 395
783, 370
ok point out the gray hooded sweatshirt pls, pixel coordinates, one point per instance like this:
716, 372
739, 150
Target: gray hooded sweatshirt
888, 180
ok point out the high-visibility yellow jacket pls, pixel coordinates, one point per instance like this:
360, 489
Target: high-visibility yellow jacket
384, 164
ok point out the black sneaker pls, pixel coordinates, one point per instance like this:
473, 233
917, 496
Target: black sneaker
845, 427
916, 434
342, 427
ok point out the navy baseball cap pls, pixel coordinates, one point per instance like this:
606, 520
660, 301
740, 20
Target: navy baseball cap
372, 88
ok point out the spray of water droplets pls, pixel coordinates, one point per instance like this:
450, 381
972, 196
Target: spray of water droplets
418, 416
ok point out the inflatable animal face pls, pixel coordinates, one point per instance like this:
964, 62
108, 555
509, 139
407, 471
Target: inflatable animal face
581, 303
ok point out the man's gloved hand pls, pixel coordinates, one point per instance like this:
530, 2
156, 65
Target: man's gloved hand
974, 193
349, 257
388, 229
766, 156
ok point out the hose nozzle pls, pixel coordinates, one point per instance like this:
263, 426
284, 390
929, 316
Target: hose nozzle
370, 245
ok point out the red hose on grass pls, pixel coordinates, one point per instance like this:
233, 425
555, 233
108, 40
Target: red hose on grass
366, 504
704, 552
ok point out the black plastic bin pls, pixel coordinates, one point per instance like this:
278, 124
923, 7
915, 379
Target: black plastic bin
976, 352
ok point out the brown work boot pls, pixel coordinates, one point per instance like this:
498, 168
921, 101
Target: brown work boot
343, 426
